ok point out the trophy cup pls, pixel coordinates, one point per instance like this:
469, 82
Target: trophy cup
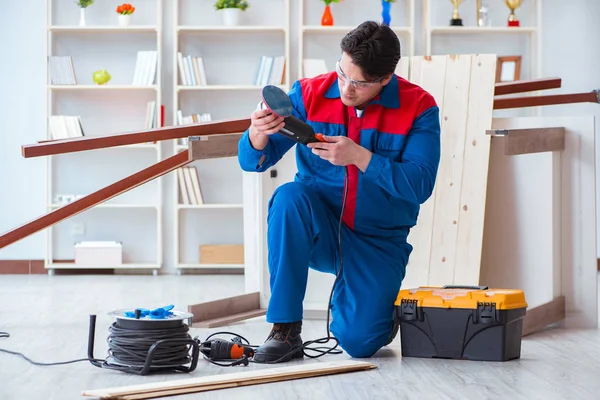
512, 18
456, 19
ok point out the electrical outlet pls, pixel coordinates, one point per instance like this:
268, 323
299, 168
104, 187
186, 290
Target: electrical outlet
77, 228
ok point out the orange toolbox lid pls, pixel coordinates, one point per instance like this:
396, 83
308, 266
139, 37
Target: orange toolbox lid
469, 297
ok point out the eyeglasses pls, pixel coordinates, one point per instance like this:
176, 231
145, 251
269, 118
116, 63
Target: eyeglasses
355, 84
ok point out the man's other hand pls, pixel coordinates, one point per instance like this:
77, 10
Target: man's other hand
342, 151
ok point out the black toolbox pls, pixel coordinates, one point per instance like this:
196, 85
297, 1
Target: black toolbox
461, 322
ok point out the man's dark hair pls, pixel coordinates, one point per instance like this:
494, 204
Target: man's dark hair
374, 47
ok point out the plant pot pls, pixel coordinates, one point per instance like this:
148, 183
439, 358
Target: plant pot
124, 19
327, 18
82, 17
231, 16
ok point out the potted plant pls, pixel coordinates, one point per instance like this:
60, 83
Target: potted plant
125, 11
327, 17
231, 10
83, 5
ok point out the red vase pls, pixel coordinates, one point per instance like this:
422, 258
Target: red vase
327, 18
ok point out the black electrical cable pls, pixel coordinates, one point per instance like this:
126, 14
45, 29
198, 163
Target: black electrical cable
305, 345
129, 349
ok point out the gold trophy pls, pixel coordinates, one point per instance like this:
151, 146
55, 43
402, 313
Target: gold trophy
456, 19
513, 5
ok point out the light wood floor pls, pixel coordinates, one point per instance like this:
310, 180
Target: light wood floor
48, 317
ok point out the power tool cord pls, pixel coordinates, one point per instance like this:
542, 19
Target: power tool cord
129, 348
305, 346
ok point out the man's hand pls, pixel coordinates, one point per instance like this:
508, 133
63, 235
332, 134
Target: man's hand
263, 124
342, 151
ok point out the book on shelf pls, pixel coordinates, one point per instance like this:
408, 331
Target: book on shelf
190, 119
312, 67
270, 71
64, 126
191, 70
189, 186
61, 70
145, 68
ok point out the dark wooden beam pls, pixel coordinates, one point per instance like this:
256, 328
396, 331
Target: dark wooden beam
214, 146
503, 88
548, 100
527, 141
224, 312
85, 143
100, 196
540, 317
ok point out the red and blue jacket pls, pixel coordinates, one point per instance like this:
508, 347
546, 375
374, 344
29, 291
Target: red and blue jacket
401, 127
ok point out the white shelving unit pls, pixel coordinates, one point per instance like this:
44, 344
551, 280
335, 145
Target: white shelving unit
497, 37
135, 217
230, 58
316, 41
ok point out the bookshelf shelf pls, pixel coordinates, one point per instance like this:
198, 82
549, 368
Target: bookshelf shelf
470, 30
221, 87
105, 28
232, 29
102, 87
209, 206
131, 100
345, 29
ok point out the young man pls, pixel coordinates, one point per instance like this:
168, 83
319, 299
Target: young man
384, 133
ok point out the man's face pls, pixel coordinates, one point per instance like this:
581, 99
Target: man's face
355, 89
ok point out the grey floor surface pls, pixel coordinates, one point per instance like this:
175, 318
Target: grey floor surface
47, 318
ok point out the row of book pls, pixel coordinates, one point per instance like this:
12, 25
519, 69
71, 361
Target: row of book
61, 70
64, 126
270, 71
191, 70
145, 68
189, 186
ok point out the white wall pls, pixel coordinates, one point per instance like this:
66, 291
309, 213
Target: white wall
570, 50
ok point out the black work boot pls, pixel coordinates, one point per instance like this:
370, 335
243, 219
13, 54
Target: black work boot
281, 342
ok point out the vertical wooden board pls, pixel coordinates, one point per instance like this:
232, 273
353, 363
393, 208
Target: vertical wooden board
449, 179
430, 74
469, 241
415, 69
403, 68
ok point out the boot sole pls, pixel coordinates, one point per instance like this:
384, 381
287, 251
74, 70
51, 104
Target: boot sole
272, 357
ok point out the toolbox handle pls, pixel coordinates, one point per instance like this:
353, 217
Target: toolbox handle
465, 287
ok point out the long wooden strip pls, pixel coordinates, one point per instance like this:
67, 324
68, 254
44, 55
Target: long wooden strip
457, 106
548, 100
532, 85
251, 377
469, 239
95, 198
430, 74
84, 143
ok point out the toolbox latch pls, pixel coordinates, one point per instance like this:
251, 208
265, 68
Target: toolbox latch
486, 312
409, 310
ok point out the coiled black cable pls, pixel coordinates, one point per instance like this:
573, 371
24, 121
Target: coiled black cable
130, 347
